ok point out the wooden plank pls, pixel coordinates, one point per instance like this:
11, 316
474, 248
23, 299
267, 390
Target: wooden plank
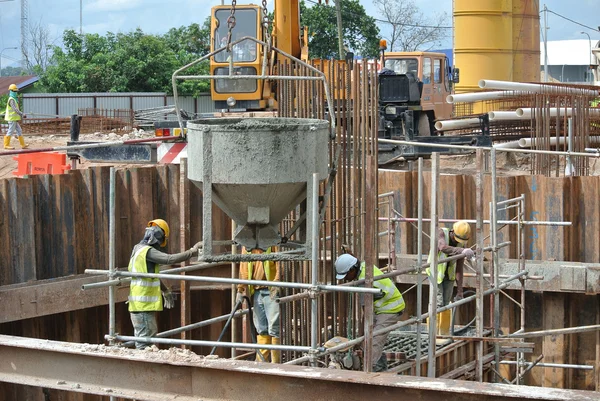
66, 246
553, 347
47, 297
21, 225
6, 273
84, 213
597, 344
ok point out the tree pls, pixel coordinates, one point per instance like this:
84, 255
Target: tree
410, 29
12, 71
38, 47
127, 62
360, 32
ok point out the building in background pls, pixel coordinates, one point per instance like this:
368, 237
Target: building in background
571, 61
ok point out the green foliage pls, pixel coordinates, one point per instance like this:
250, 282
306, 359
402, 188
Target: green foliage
12, 71
127, 62
360, 32
3, 101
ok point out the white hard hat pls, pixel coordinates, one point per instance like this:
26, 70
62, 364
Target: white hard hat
343, 264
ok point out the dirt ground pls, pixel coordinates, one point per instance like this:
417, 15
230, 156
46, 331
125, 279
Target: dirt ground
8, 164
508, 163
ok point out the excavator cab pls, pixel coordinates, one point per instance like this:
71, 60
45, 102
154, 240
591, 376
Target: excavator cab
247, 94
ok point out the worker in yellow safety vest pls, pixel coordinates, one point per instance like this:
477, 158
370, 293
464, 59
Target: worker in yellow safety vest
449, 272
264, 300
389, 305
146, 295
13, 115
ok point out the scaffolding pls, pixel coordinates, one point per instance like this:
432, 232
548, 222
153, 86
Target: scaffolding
495, 285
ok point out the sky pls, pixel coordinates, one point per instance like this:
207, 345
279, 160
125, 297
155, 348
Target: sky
158, 16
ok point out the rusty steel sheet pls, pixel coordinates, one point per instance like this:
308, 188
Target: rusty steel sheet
166, 376
566, 199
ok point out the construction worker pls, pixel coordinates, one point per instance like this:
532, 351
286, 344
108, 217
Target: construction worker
13, 116
389, 305
449, 242
264, 300
146, 294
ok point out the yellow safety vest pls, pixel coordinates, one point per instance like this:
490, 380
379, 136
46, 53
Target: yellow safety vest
392, 301
10, 114
269, 274
144, 293
441, 270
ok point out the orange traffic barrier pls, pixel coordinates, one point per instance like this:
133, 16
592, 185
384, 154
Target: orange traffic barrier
41, 163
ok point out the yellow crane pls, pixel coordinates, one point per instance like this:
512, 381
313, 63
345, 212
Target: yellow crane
230, 23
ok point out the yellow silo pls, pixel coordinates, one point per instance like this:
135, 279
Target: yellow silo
526, 41
483, 41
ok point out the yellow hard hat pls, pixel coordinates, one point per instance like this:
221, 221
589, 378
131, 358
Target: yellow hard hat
13, 88
462, 231
163, 225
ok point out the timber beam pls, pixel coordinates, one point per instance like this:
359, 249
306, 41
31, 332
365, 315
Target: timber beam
550, 276
47, 297
176, 375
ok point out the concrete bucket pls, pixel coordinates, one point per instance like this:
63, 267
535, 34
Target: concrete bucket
257, 169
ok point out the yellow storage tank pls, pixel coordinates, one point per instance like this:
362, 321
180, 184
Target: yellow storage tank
526, 41
483, 41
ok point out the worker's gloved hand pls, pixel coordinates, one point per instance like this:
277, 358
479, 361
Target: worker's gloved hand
274, 292
459, 296
168, 299
468, 252
195, 248
24, 116
239, 298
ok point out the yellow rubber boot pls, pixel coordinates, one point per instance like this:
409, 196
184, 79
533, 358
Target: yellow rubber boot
275, 355
22, 142
444, 322
7, 143
263, 339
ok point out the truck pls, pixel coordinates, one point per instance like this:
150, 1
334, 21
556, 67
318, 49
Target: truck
413, 87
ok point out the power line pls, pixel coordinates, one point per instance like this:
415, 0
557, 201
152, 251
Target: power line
391, 23
573, 21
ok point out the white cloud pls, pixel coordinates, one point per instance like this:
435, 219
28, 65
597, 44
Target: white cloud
113, 5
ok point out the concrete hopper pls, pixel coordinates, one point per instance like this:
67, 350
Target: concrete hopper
256, 170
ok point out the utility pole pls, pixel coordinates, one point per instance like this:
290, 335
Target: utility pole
338, 8
24, 28
589, 70
545, 43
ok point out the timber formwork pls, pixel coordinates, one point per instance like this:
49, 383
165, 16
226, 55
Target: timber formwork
165, 192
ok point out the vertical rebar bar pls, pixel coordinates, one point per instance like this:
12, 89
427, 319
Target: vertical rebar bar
234, 274
315, 264
521, 248
433, 249
494, 228
184, 286
419, 262
479, 255
112, 290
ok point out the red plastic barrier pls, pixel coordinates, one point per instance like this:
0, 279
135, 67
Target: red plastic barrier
41, 163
